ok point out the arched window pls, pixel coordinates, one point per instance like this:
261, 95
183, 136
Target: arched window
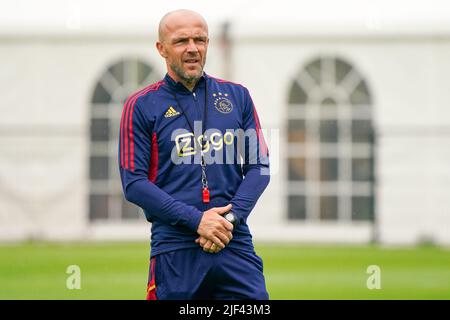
330, 143
118, 81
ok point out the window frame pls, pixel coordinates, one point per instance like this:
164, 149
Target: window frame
119, 79
314, 90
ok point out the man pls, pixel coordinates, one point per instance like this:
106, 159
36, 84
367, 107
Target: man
189, 179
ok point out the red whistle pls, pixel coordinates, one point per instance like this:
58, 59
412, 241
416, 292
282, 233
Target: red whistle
205, 195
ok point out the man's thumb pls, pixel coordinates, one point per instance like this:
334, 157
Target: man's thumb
223, 210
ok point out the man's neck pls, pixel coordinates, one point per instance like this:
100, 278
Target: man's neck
190, 85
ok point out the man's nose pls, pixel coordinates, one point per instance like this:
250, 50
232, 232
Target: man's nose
192, 47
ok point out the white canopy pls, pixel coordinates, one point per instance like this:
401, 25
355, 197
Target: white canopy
246, 17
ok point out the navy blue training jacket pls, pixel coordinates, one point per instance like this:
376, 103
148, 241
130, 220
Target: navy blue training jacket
160, 158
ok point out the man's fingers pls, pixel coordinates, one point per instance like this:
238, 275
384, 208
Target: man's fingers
225, 238
201, 241
214, 248
223, 210
207, 245
218, 242
228, 225
211, 247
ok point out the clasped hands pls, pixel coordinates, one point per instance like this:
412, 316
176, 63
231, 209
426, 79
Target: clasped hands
215, 231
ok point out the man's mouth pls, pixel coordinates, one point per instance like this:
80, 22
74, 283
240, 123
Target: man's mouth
191, 61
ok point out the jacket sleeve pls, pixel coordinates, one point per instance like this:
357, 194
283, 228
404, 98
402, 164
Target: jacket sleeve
255, 154
135, 165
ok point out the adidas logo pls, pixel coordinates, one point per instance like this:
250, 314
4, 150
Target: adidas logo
171, 112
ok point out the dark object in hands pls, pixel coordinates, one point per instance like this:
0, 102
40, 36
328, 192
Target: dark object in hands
231, 217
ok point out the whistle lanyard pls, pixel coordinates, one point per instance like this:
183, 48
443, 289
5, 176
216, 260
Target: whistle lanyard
205, 189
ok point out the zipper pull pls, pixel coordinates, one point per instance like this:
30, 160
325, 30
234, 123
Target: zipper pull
195, 96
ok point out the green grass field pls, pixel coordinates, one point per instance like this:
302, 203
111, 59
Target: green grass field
119, 271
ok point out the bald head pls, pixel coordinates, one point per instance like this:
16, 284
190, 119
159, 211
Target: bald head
174, 19
183, 43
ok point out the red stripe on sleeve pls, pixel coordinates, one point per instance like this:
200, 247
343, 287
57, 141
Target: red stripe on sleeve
153, 168
259, 134
125, 136
121, 139
130, 135
126, 126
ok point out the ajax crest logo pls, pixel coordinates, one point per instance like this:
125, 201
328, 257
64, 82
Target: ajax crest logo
222, 103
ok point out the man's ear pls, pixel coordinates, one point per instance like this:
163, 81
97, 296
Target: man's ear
161, 50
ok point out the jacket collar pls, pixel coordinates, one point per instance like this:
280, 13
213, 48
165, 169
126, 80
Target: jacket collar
180, 88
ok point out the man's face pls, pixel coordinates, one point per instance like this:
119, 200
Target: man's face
184, 46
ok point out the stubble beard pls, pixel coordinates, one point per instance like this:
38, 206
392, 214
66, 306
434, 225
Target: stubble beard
189, 79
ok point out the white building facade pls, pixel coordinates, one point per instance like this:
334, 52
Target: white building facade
358, 127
